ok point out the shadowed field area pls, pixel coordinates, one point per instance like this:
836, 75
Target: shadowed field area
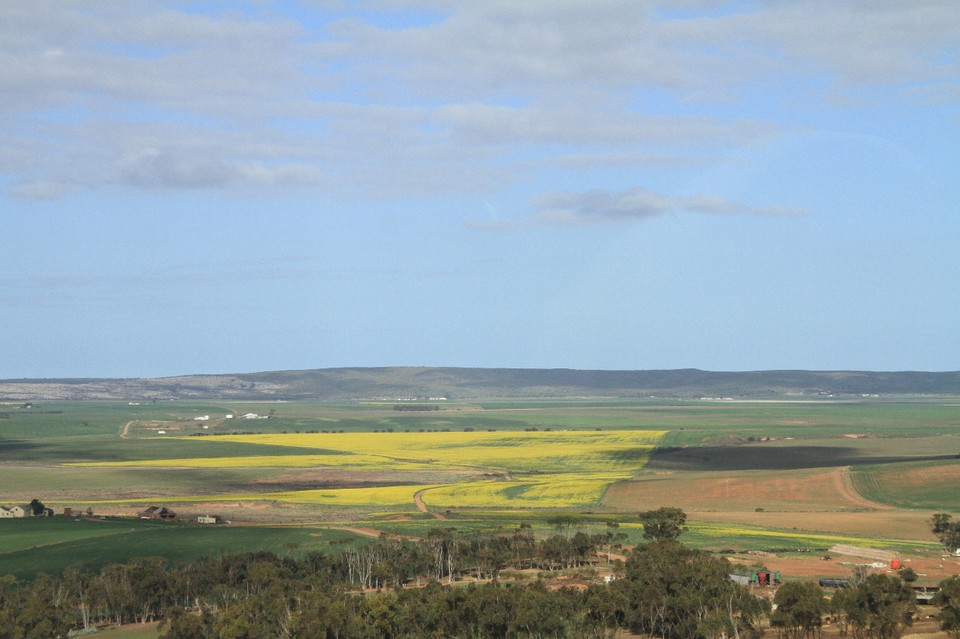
761, 457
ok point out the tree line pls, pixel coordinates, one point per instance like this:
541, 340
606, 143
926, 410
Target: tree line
392, 589
948, 532
372, 592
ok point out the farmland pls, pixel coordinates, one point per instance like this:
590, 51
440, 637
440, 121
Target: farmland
32, 545
751, 475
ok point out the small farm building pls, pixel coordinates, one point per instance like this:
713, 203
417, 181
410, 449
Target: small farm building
209, 519
24, 511
157, 512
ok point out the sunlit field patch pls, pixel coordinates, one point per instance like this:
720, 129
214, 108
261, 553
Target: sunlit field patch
357, 461
930, 485
732, 533
536, 469
378, 496
568, 490
553, 451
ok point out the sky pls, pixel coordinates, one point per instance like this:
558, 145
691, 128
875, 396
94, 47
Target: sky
228, 187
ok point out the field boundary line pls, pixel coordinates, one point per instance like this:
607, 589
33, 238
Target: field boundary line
845, 485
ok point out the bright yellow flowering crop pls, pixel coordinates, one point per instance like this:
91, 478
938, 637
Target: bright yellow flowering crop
729, 531
554, 451
567, 490
554, 469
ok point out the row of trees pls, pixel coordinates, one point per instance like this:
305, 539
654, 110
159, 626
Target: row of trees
666, 590
392, 589
702, 605
147, 589
948, 532
445, 556
876, 607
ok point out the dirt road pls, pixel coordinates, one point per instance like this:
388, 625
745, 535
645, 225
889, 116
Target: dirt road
422, 507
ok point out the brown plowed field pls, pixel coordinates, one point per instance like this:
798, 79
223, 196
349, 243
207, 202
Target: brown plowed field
803, 490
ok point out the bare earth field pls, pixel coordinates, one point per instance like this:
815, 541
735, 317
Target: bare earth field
803, 490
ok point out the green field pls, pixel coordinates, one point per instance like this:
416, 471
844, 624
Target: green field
49, 545
130, 631
479, 467
927, 485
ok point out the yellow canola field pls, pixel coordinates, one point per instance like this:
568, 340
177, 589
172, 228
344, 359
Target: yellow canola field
543, 451
540, 451
728, 531
568, 490
538, 469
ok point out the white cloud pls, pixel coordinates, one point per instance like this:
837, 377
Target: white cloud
485, 124
149, 96
638, 204
571, 49
857, 43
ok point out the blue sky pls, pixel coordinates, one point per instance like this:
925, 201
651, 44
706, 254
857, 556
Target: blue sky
246, 186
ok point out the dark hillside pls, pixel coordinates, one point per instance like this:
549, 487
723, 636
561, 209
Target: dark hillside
477, 383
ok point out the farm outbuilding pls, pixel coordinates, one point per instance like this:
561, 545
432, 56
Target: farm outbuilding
157, 512
16, 512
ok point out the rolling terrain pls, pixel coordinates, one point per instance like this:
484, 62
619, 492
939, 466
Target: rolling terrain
787, 478
476, 383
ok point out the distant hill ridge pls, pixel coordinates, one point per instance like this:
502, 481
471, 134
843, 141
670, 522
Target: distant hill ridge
477, 383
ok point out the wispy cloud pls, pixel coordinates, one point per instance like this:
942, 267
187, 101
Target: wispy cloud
638, 204
154, 97
628, 206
